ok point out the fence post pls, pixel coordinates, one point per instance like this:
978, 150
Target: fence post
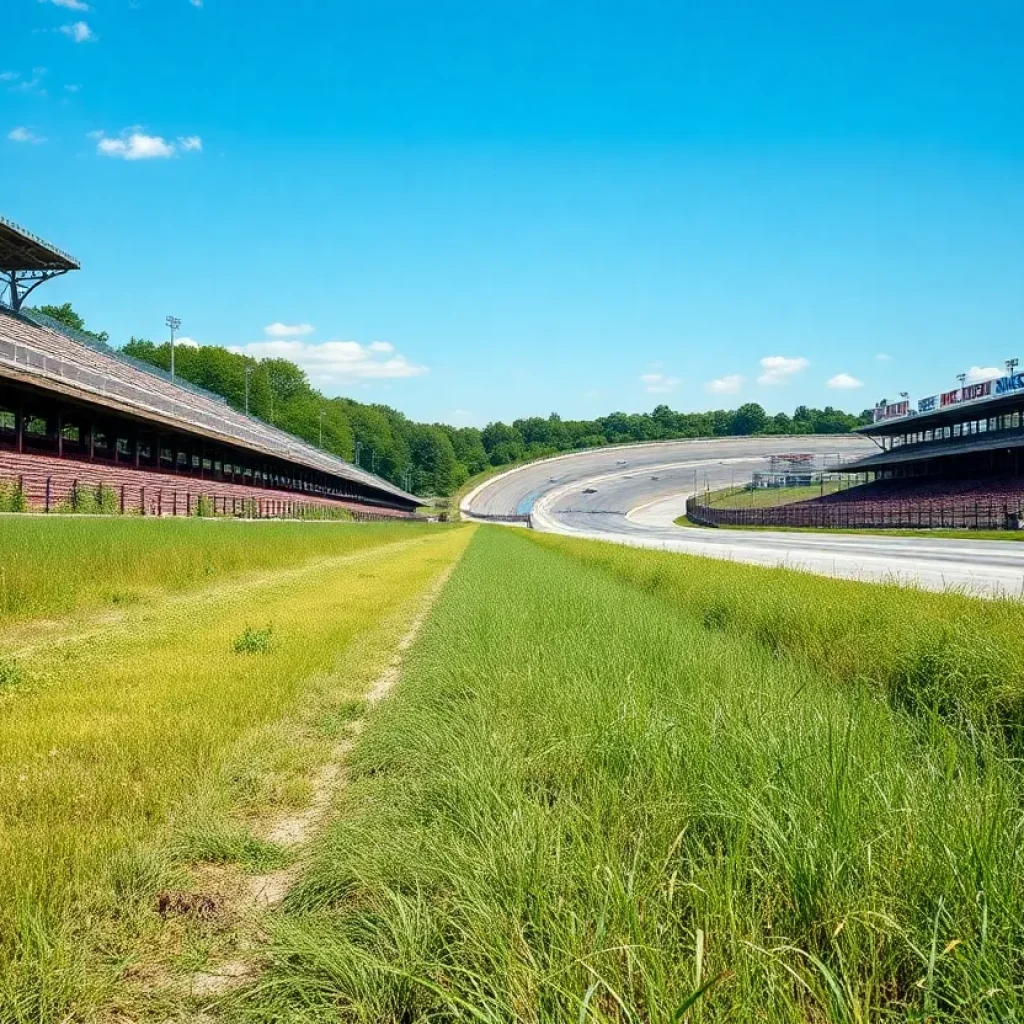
122, 499
160, 501
142, 498
46, 506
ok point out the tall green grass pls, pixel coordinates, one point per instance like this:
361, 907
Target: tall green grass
614, 794
50, 566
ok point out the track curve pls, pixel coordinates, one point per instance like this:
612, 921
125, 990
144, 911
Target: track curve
635, 493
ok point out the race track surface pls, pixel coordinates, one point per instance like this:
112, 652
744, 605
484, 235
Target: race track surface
638, 491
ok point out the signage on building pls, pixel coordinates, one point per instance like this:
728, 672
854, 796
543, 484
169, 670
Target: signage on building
973, 391
891, 411
1006, 385
950, 398
928, 404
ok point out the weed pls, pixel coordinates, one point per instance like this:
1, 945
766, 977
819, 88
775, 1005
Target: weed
254, 641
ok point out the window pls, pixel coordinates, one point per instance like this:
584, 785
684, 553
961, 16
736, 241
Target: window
982, 426
945, 432
956, 429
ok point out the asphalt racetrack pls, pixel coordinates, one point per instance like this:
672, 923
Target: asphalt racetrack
638, 491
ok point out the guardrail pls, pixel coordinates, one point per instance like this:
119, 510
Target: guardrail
867, 516
491, 517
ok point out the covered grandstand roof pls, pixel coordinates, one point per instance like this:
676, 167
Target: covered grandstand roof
21, 250
51, 358
1000, 440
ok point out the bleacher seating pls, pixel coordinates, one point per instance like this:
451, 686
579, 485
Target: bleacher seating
35, 350
48, 482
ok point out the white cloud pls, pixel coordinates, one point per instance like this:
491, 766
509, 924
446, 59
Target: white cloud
658, 383
9, 76
980, 373
71, 5
729, 385
196, 3
280, 330
33, 85
186, 342
381, 346
778, 369
843, 382
22, 134
190, 143
135, 144
884, 357
336, 361
72, 88
79, 31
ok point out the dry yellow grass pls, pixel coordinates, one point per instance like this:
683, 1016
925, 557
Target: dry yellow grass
126, 738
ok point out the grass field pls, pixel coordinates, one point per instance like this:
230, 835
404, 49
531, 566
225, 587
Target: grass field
610, 785
767, 497
136, 736
49, 566
618, 785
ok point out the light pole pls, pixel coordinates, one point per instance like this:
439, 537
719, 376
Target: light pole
248, 374
961, 377
175, 324
1011, 365
321, 428
359, 449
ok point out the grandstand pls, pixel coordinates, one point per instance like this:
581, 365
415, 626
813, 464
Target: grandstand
75, 412
954, 461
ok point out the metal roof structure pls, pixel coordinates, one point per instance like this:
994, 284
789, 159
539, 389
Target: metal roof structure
26, 261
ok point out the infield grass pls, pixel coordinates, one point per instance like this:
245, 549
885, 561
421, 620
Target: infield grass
619, 785
131, 735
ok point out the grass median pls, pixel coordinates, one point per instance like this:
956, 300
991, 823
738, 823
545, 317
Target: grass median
634, 786
129, 735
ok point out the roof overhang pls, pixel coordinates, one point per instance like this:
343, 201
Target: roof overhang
20, 250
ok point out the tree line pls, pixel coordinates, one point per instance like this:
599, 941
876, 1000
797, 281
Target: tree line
436, 458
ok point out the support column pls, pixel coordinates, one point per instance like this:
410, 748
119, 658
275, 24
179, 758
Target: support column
19, 426
60, 436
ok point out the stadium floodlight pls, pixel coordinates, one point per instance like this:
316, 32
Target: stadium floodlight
1011, 366
962, 377
175, 324
359, 449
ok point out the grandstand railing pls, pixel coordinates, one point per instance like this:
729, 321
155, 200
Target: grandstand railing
230, 424
880, 515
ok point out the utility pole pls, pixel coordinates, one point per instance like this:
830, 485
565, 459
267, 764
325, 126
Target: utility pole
359, 449
175, 324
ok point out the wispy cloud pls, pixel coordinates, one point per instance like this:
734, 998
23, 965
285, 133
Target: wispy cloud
70, 5
778, 369
280, 330
729, 385
135, 144
186, 342
22, 134
79, 31
884, 357
980, 373
9, 76
337, 362
658, 383
843, 382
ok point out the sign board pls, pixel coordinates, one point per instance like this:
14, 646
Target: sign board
928, 404
1007, 385
974, 391
950, 398
892, 411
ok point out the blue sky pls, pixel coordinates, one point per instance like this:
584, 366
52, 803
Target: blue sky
477, 211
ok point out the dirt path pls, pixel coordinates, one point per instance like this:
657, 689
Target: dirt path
245, 899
